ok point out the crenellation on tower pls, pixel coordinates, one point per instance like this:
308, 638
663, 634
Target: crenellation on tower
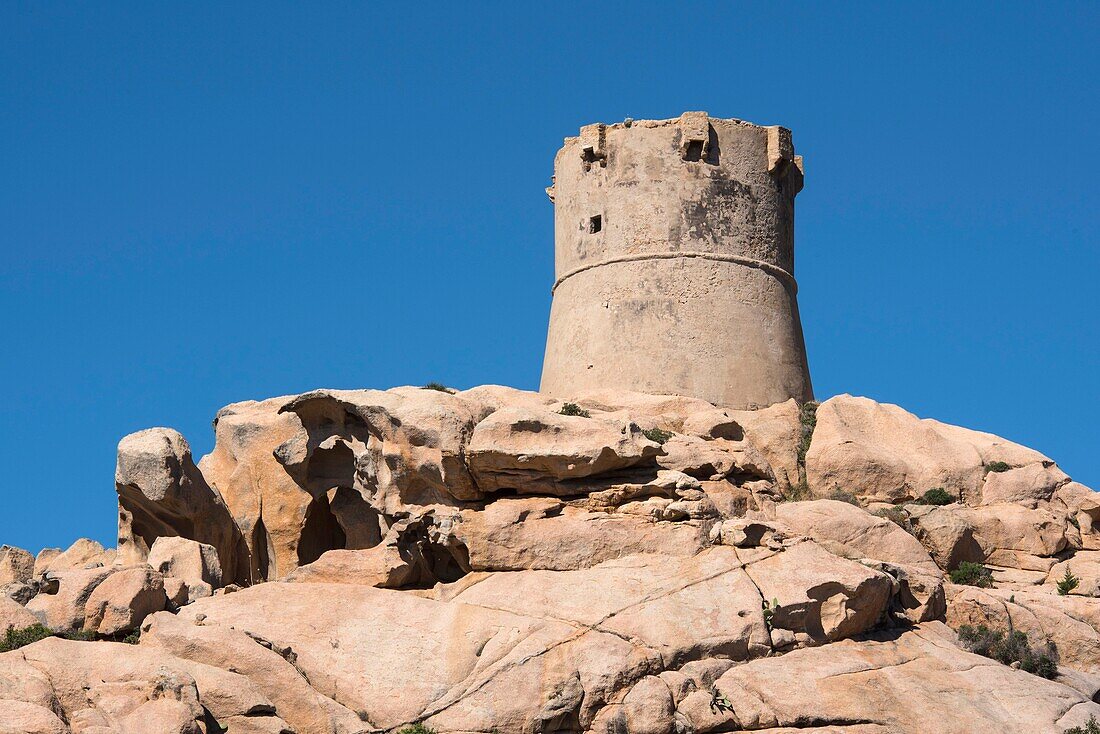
674, 259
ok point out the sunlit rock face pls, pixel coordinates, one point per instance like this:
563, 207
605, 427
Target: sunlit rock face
500, 560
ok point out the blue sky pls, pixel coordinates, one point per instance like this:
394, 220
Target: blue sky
216, 202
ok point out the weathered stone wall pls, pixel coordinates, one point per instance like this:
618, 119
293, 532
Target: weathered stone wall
674, 262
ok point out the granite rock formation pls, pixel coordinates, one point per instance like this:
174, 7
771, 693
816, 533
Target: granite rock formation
346, 562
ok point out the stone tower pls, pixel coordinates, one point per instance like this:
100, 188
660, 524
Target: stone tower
674, 262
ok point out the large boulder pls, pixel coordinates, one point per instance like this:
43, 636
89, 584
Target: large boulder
123, 600
1007, 535
775, 432
162, 493
195, 564
851, 532
13, 615
82, 554
883, 453
382, 566
61, 605
539, 452
817, 597
546, 533
329, 469
16, 565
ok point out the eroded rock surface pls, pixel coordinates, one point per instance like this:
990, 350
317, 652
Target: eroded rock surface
354, 561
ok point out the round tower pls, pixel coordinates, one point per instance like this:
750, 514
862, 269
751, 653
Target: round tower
674, 258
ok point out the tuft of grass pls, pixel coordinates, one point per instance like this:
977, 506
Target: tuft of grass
416, 729
936, 496
574, 410
972, 574
1010, 648
439, 387
656, 435
843, 495
997, 467
807, 418
1092, 726
1068, 583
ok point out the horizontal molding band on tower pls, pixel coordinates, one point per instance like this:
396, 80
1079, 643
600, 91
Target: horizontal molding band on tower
773, 270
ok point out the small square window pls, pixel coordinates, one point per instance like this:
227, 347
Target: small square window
595, 224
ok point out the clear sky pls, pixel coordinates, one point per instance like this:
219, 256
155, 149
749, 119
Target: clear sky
212, 202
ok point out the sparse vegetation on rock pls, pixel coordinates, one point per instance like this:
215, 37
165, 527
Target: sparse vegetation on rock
970, 573
1092, 726
574, 410
997, 467
657, 435
17, 638
1012, 648
937, 496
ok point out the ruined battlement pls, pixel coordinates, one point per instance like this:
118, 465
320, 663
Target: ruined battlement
674, 260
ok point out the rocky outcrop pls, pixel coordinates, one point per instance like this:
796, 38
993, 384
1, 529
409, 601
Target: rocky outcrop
538, 452
347, 562
16, 565
195, 565
123, 600
82, 554
882, 453
915, 681
162, 493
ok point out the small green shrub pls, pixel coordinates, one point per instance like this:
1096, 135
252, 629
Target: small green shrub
1092, 726
997, 467
1011, 648
656, 435
14, 639
972, 574
438, 386
769, 611
936, 496
574, 409
1068, 583
17, 638
807, 417
843, 495
416, 729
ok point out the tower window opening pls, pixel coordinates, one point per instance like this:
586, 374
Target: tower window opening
694, 150
595, 224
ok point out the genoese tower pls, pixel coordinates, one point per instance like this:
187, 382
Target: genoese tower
674, 259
